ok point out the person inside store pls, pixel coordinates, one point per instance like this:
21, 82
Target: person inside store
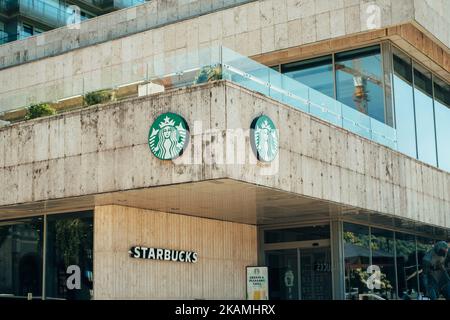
435, 277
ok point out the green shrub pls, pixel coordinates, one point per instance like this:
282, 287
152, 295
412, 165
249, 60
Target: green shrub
97, 97
39, 110
208, 73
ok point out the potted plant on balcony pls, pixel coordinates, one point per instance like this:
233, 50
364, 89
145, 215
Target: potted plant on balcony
39, 110
209, 73
99, 96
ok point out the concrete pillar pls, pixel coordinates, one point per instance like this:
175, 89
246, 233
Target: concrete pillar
337, 259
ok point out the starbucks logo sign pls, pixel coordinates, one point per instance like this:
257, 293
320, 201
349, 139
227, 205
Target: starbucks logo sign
168, 136
264, 138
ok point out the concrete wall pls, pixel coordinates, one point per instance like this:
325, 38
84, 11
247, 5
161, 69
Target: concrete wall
434, 16
108, 27
224, 250
251, 29
104, 149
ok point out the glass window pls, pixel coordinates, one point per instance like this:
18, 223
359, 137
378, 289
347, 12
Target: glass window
357, 259
69, 243
423, 246
359, 81
407, 271
315, 73
297, 234
21, 244
426, 139
383, 256
404, 105
442, 109
283, 274
27, 30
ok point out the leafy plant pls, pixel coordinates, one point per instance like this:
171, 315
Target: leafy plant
96, 97
208, 73
39, 110
69, 235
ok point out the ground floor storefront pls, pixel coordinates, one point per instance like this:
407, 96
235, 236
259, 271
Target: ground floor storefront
120, 252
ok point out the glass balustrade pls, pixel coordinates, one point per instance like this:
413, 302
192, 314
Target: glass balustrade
163, 72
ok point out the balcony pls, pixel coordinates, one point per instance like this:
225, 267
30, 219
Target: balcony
197, 67
111, 5
48, 12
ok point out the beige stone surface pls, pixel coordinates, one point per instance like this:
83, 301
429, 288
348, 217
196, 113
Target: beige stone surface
104, 149
224, 251
99, 55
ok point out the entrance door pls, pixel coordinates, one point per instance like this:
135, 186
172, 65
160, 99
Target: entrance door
303, 274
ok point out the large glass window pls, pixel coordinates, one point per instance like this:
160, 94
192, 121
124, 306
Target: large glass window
69, 243
426, 138
404, 105
357, 259
407, 271
315, 73
442, 110
383, 256
21, 243
359, 81
423, 246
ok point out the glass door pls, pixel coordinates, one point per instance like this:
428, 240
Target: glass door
315, 266
300, 274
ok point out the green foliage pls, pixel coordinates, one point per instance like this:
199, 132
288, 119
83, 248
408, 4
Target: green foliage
39, 110
208, 73
69, 235
97, 97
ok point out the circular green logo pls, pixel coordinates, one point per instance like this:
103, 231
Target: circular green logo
168, 136
264, 138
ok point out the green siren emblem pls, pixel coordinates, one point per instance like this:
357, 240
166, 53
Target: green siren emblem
168, 136
264, 137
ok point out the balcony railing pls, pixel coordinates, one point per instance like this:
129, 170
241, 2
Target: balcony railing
113, 4
196, 67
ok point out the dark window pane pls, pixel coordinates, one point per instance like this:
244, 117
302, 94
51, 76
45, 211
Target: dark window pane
283, 274
442, 92
403, 67
357, 259
315, 73
297, 234
423, 246
422, 80
407, 271
21, 244
383, 256
359, 81
69, 243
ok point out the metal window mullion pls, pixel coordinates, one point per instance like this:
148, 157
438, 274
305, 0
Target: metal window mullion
434, 119
395, 263
44, 256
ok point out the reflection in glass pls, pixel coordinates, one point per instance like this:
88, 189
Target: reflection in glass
69, 243
404, 105
359, 81
315, 73
357, 259
426, 145
283, 274
383, 256
407, 272
21, 257
423, 246
442, 109
297, 234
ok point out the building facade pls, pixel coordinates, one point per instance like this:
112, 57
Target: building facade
20, 19
193, 140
